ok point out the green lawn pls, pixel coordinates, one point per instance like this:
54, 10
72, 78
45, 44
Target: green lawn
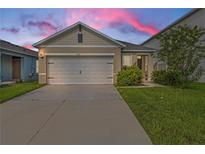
10, 91
169, 115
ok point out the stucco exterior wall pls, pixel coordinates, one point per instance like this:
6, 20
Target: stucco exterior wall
42, 74
117, 63
198, 18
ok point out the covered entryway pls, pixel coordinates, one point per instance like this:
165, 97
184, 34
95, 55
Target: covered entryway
80, 70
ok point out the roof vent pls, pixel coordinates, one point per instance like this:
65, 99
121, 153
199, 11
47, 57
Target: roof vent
80, 37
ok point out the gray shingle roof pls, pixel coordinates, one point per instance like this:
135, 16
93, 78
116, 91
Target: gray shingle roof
18, 49
131, 47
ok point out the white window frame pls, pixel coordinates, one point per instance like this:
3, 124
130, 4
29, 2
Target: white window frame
127, 60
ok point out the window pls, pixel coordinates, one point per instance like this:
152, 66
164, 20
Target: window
126, 59
80, 37
139, 61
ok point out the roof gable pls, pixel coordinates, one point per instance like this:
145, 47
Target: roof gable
71, 30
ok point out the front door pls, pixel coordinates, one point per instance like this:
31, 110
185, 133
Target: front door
142, 63
16, 65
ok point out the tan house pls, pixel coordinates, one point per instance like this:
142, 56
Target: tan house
80, 54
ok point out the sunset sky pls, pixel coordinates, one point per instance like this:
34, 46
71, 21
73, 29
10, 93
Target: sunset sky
27, 26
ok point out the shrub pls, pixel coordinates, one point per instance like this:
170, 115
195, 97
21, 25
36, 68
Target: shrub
129, 76
159, 76
172, 78
182, 49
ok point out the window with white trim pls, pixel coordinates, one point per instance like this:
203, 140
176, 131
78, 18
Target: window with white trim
126, 60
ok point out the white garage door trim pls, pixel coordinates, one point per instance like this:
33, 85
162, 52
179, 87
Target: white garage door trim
84, 70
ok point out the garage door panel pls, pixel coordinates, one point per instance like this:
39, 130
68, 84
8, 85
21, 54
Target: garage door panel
72, 59
78, 81
80, 70
68, 76
97, 77
81, 67
59, 65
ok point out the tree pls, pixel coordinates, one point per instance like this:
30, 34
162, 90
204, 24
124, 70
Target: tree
181, 48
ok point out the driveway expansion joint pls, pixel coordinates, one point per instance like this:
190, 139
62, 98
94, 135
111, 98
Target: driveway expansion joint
44, 124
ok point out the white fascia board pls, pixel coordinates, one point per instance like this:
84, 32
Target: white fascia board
79, 46
80, 54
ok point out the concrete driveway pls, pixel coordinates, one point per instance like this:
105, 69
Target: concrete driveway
70, 114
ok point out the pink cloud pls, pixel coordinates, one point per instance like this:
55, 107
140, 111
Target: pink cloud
28, 46
43, 25
101, 18
42, 28
12, 30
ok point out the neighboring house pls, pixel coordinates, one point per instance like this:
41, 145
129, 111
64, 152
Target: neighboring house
17, 63
80, 54
194, 17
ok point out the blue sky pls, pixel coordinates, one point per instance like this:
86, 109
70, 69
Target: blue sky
27, 26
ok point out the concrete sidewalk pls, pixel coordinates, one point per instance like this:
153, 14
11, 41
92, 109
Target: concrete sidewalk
70, 114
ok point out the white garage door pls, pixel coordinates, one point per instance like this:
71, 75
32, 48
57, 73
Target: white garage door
80, 70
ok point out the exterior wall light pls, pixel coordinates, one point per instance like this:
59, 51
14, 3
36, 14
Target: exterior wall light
41, 54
